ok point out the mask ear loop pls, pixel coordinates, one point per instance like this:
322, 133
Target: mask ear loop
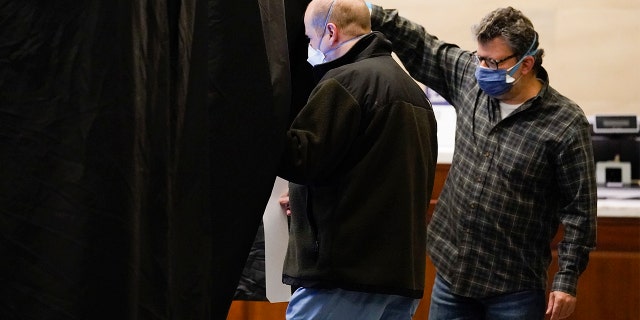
326, 22
314, 53
510, 78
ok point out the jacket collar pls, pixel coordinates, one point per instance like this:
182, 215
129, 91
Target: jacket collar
372, 44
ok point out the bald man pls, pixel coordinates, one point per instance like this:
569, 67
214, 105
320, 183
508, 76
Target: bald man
361, 157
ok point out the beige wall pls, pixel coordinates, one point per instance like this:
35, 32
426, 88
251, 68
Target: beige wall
592, 47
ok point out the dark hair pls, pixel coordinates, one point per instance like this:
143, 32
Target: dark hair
512, 25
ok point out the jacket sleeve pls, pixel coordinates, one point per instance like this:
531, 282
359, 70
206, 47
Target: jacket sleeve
410, 40
321, 134
441, 66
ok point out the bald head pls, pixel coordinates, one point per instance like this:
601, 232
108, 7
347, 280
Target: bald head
350, 16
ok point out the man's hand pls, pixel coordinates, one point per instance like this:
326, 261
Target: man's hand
284, 203
561, 305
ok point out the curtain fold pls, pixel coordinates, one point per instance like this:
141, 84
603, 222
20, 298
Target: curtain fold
139, 142
245, 136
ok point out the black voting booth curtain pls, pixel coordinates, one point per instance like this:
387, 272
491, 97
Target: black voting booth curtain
138, 145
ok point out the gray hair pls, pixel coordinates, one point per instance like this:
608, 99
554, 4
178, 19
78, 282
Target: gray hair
517, 30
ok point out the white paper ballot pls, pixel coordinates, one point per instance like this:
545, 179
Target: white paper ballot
276, 237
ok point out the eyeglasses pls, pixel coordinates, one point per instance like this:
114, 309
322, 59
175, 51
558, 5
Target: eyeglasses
492, 64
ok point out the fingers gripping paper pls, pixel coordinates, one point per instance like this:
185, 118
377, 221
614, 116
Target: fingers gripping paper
276, 237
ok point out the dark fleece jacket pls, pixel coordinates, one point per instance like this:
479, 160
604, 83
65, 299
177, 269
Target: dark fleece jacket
361, 157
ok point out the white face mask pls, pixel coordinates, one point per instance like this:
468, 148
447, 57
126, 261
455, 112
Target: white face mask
315, 56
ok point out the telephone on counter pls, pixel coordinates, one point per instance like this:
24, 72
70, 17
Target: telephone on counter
616, 148
613, 173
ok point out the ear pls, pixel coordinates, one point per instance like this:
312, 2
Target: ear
527, 64
332, 30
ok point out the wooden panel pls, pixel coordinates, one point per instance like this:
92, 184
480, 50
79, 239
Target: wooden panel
614, 234
256, 310
442, 169
608, 289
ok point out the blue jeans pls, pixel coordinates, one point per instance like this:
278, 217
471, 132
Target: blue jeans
338, 304
524, 305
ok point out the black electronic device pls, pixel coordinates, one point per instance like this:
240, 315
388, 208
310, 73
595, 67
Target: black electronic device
616, 138
616, 124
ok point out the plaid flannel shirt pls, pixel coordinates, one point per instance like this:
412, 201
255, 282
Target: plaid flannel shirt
512, 181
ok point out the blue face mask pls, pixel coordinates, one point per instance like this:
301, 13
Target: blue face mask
498, 82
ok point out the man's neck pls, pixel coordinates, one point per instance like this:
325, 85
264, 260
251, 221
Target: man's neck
344, 47
524, 91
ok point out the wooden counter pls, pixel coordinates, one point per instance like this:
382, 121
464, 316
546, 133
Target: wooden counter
608, 289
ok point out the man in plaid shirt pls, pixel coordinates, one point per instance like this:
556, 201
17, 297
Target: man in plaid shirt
523, 165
